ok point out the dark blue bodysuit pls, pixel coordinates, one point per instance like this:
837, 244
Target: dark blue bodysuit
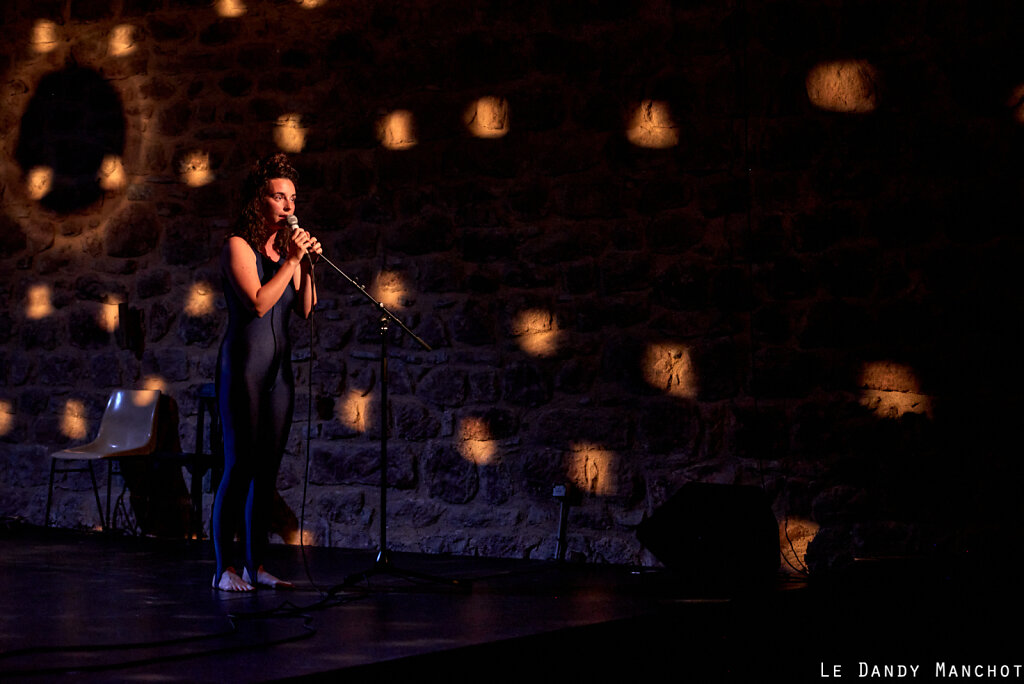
256, 396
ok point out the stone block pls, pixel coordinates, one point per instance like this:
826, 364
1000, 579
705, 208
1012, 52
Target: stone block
605, 428
448, 476
441, 273
417, 514
787, 278
105, 370
344, 507
443, 387
42, 334
201, 331
683, 286
414, 421
721, 364
669, 426
529, 199
12, 237
133, 233
730, 289
360, 464
159, 321
497, 487
784, 372
524, 384
474, 323
153, 282
170, 363
624, 271
422, 235
187, 241
589, 199
836, 323
487, 244
25, 466
175, 118
220, 32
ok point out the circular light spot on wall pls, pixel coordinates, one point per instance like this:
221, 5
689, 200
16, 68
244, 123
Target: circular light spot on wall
667, 366
289, 134
397, 130
111, 175
73, 422
73, 122
200, 300
38, 302
536, 332
1016, 103
122, 40
108, 316
307, 538
141, 399
194, 169
651, 126
231, 9
311, 4
488, 117
891, 389
45, 36
475, 440
591, 468
39, 182
353, 411
154, 382
847, 86
6, 416
389, 289
797, 536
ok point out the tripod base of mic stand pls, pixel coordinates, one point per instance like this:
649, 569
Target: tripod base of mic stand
384, 566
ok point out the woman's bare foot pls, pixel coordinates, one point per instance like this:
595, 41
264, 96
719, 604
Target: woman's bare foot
230, 581
265, 579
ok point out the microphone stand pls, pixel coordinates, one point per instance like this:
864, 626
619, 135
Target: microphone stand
383, 564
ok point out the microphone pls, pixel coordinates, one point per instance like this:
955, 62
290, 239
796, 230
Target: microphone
293, 222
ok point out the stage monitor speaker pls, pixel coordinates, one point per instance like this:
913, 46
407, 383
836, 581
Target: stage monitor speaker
715, 534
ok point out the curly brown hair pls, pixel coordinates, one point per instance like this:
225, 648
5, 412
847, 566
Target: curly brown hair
249, 224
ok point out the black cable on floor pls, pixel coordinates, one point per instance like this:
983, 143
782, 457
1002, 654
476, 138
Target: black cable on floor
309, 429
285, 610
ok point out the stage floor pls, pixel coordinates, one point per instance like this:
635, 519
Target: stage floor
108, 608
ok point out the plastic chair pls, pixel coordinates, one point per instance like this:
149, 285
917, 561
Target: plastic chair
128, 428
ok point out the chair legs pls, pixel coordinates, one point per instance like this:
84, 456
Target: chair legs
49, 492
198, 463
195, 514
110, 514
95, 489
96, 494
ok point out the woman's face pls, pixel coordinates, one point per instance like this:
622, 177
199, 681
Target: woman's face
278, 203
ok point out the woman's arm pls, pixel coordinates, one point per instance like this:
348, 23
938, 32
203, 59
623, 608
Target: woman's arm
303, 280
239, 263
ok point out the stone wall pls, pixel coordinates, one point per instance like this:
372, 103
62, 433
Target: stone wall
648, 243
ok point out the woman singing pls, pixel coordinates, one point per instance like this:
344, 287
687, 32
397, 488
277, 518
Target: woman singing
267, 274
